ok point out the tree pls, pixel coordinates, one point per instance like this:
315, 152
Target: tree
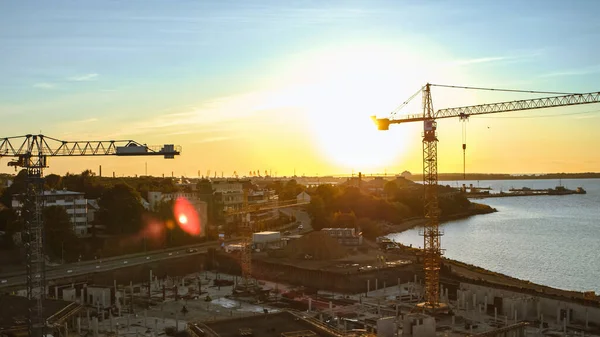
120, 210
317, 212
60, 237
369, 228
9, 224
389, 189
53, 181
291, 189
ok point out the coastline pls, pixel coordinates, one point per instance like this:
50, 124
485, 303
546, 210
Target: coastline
475, 209
476, 274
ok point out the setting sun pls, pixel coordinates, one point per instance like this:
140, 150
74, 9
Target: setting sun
337, 90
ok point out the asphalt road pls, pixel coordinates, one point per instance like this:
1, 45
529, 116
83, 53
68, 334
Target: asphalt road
87, 267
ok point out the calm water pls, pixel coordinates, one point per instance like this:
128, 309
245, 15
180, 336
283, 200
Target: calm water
550, 240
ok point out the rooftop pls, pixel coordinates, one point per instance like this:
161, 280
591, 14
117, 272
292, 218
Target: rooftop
14, 309
271, 325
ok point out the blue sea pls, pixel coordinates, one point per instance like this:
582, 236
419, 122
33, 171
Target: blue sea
550, 240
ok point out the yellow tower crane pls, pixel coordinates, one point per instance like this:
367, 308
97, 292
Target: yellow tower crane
432, 247
31, 153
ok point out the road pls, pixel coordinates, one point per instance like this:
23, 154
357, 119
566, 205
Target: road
87, 267
82, 268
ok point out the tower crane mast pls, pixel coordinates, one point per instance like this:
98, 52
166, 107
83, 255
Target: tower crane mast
31, 152
431, 233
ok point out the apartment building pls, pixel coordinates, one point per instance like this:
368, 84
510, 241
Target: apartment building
73, 202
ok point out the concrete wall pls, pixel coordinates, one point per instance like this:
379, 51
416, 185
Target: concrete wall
69, 294
98, 296
528, 307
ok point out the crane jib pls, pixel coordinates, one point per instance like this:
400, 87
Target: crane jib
519, 105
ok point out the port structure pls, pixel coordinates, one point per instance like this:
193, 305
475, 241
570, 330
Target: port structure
432, 250
31, 153
247, 228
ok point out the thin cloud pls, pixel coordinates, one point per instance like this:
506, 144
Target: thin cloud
496, 59
89, 120
573, 72
45, 85
82, 78
480, 60
212, 140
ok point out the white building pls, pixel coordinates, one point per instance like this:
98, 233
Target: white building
303, 197
73, 202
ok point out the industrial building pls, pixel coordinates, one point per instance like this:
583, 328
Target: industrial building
264, 240
345, 236
74, 203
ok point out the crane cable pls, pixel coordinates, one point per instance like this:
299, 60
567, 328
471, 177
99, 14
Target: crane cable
464, 120
395, 111
505, 90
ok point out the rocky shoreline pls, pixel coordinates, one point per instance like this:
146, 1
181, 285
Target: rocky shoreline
475, 209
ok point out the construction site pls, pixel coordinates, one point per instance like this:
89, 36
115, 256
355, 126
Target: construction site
304, 283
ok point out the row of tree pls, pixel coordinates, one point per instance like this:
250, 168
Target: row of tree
350, 206
121, 216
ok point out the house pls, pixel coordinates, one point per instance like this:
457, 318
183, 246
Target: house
303, 197
73, 202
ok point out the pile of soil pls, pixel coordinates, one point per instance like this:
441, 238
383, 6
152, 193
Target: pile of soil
318, 245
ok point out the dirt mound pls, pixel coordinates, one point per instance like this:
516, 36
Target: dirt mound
317, 244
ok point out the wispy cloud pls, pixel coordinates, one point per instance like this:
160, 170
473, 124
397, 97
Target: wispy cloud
524, 56
213, 113
479, 60
85, 121
45, 85
85, 77
212, 139
573, 72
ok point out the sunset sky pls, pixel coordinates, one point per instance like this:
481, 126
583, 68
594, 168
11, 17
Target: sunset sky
290, 85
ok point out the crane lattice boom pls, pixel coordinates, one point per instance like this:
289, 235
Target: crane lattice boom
52, 147
509, 106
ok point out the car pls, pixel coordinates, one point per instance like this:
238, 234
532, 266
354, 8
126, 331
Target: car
69, 271
147, 257
97, 267
124, 262
3, 281
192, 250
287, 233
170, 254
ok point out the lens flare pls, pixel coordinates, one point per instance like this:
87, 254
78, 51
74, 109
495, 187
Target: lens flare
187, 217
